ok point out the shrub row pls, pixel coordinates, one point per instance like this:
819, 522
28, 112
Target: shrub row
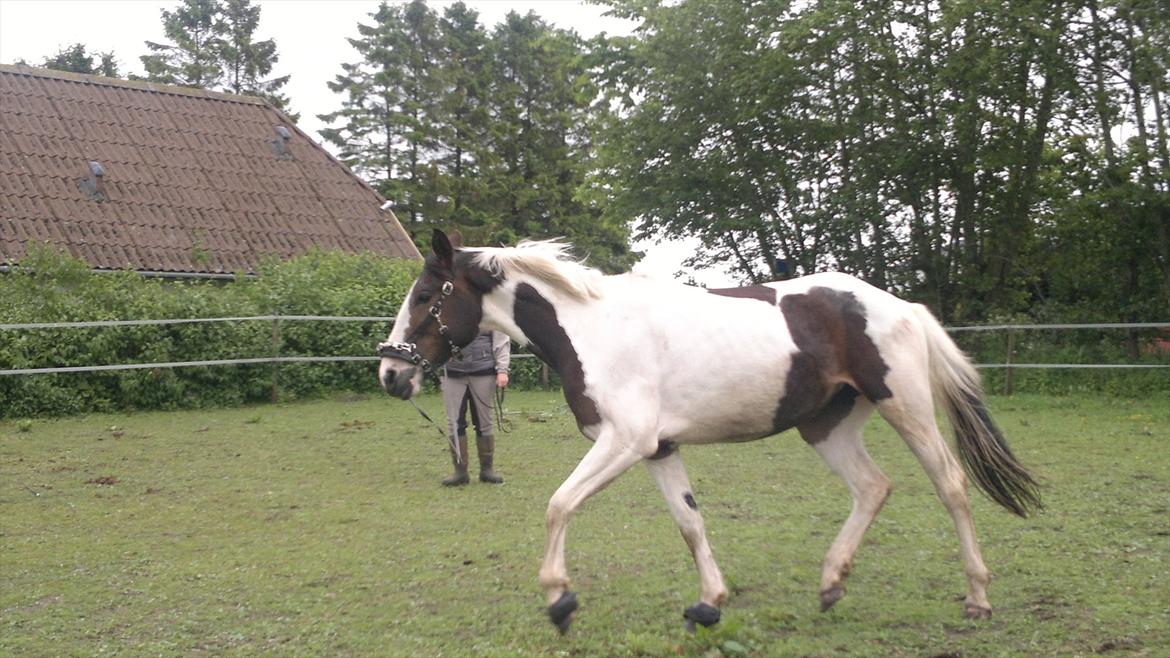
52, 287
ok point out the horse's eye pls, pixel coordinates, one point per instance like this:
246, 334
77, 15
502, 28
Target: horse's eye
423, 297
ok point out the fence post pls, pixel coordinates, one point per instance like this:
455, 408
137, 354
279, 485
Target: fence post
275, 355
1007, 375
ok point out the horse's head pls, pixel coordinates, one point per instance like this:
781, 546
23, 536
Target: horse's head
439, 316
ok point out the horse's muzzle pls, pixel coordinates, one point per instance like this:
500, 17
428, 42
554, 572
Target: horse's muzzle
398, 378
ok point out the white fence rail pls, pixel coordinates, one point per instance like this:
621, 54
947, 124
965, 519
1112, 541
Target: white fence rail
275, 358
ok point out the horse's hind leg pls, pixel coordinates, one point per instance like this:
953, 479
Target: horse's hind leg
838, 441
911, 412
671, 476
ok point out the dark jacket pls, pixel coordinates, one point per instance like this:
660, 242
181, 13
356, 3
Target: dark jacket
488, 354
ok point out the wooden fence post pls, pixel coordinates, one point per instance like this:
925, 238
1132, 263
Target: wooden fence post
1007, 375
275, 355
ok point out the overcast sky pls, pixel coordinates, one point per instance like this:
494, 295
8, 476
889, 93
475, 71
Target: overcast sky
311, 41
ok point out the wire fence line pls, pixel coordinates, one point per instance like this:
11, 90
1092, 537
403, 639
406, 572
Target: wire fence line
339, 318
90, 324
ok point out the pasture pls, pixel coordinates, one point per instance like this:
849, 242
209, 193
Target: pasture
319, 528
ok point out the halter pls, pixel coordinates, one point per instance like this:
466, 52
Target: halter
408, 350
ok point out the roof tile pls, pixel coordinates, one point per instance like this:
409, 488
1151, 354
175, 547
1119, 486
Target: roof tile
183, 168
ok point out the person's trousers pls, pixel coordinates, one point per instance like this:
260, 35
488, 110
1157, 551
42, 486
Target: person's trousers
476, 393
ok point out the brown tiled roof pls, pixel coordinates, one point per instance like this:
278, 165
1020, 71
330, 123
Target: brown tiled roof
192, 182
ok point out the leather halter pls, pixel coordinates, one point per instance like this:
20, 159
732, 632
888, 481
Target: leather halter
408, 349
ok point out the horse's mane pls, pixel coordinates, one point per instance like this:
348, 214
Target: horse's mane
546, 260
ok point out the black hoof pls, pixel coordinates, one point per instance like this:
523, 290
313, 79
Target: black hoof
561, 612
830, 596
701, 614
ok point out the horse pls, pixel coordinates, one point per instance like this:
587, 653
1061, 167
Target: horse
649, 365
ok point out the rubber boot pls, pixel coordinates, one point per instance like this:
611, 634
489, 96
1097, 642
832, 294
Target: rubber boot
460, 475
486, 446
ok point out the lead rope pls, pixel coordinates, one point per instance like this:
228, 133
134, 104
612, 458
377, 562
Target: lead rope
445, 435
500, 420
497, 406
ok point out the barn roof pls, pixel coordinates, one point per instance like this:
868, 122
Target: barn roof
193, 181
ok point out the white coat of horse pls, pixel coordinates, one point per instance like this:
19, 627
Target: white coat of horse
648, 366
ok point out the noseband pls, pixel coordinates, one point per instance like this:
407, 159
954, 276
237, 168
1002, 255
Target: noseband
408, 350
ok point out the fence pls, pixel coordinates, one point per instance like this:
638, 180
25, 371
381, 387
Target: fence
1009, 365
1010, 348
274, 357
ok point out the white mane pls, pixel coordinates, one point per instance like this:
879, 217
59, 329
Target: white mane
545, 260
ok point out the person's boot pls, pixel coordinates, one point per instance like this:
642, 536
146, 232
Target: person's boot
486, 446
460, 475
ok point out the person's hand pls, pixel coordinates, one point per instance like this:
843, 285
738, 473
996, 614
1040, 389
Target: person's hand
502, 379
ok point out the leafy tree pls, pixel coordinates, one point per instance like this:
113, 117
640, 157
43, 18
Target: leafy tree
78, 59
954, 151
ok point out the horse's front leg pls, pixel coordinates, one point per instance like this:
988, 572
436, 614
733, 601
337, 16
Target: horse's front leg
606, 460
671, 476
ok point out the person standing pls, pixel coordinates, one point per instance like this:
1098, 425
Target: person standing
469, 382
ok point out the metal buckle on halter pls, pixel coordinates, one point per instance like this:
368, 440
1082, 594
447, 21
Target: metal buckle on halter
448, 288
405, 351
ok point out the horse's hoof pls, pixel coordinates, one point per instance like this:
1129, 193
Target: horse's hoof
830, 597
972, 611
701, 614
561, 612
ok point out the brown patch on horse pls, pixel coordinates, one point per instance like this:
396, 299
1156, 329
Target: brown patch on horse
818, 428
537, 318
760, 293
480, 278
828, 327
665, 449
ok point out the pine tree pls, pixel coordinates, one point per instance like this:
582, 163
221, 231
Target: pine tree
246, 62
78, 59
193, 58
464, 116
213, 46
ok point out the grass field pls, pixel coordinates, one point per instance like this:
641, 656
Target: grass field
320, 528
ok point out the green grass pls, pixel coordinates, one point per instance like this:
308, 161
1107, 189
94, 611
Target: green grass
320, 528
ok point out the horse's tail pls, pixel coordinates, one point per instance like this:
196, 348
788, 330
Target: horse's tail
982, 449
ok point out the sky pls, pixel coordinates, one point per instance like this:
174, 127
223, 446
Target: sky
311, 41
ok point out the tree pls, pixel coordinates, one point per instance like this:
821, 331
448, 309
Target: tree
193, 57
486, 132
78, 59
213, 46
247, 62
464, 115
949, 151
381, 136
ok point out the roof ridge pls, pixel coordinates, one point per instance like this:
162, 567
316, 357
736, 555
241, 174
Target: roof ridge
139, 85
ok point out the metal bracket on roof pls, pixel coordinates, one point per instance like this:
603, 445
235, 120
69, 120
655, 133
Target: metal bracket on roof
94, 185
280, 144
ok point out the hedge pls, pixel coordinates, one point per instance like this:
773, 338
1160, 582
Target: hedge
52, 287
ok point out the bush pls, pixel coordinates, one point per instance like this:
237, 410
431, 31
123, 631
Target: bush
52, 287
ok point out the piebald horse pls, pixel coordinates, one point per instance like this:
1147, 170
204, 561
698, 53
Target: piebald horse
649, 365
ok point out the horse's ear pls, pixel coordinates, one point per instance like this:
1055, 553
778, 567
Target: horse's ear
456, 238
443, 249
